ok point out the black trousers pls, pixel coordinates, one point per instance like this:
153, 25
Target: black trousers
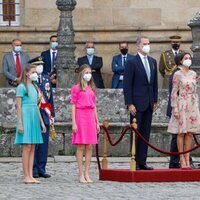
41, 154
144, 119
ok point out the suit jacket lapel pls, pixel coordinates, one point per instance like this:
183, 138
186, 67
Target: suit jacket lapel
141, 67
120, 59
151, 65
86, 60
93, 60
12, 59
49, 58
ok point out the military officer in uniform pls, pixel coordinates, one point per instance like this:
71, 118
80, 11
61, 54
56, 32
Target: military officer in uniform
46, 107
167, 64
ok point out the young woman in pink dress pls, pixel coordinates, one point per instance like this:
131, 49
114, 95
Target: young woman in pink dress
85, 125
185, 119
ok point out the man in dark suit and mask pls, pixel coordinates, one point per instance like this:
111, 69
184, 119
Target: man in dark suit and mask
49, 58
95, 62
141, 95
118, 65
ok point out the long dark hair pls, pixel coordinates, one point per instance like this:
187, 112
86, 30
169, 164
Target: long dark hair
26, 70
179, 57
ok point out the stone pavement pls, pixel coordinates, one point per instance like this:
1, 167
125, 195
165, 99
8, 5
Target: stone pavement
64, 183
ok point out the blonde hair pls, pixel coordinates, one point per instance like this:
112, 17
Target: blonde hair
80, 80
27, 69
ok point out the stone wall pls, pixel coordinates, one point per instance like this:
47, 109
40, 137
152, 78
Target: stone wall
110, 104
107, 22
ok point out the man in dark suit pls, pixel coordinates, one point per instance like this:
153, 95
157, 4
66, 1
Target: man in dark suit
141, 94
94, 62
14, 63
46, 106
118, 65
49, 58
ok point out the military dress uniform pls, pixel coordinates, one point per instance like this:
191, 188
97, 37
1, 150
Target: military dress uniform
167, 66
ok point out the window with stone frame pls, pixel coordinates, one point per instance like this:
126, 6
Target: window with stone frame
9, 12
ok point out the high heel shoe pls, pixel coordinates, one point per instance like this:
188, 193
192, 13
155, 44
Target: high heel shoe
182, 164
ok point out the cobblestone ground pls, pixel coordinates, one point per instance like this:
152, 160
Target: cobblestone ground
64, 185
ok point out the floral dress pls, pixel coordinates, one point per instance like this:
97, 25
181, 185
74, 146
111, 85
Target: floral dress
184, 100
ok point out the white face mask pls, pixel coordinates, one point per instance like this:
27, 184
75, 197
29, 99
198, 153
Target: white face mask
33, 77
90, 51
187, 63
87, 77
39, 69
18, 49
54, 45
146, 49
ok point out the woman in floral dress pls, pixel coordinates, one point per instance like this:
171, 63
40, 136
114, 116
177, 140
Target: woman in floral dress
185, 119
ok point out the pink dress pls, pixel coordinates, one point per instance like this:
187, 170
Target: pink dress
84, 102
184, 99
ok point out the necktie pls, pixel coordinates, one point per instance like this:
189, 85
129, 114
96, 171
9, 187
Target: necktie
147, 68
90, 59
175, 53
18, 65
124, 60
53, 59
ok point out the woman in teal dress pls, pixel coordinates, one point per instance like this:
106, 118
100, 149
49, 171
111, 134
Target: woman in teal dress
29, 121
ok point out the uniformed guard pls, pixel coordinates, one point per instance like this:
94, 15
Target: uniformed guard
46, 106
167, 64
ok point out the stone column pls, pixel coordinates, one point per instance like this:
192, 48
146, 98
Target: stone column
194, 24
65, 62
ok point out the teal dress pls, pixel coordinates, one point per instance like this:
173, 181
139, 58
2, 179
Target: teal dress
32, 133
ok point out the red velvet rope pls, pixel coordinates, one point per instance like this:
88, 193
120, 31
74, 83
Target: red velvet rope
120, 138
195, 139
144, 140
161, 151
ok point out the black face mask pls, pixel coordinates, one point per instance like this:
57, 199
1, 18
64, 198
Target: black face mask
175, 46
124, 51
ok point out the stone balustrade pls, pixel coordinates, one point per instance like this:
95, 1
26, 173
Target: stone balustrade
110, 104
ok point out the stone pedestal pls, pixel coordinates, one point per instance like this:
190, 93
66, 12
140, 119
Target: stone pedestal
65, 62
194, 24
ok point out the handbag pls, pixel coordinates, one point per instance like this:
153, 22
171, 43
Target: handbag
52, 132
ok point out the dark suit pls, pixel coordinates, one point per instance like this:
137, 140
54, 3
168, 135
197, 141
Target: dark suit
47, 64
41, 150
142, 94
96, 65
118, 69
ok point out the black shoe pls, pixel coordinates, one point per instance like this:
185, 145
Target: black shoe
35, 176
44, 175
174, 166
145, 167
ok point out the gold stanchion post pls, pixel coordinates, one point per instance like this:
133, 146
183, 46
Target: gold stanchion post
133, 162
105, 139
